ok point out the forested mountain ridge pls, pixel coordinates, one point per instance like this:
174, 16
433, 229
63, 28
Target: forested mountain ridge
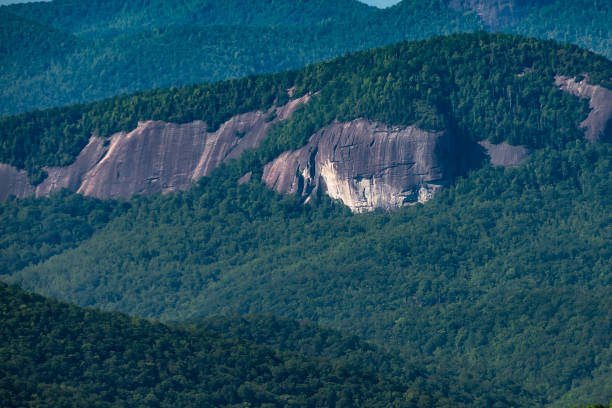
499, 88
113, 18
130, 46
498, 286
479, 281
57, 355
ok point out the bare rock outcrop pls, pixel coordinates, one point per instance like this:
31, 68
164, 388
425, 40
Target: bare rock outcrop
155, 157
14, 182
600, 102
504, 154
367, 165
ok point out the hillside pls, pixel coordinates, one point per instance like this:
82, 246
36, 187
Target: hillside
498, 88
478, 282
112, 18
127, 47
57, 355
498, 284
509, 276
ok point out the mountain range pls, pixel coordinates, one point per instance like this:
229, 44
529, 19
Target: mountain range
504, 259
64, 51
423, 224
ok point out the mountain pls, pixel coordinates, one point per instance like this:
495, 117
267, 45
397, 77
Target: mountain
429, 112
57, 355
127, 47
501, 278
111, 18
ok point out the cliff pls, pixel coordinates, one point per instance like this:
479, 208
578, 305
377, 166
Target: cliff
598, 125
367, 165
155, 157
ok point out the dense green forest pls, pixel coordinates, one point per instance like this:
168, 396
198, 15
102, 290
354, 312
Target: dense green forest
478, 282
498, 87
105, 48
57, 355
116, 17
314, 341
493, 294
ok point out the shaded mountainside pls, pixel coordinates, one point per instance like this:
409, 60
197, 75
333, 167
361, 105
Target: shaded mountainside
57, 355
126, 47
314, 341
421, 107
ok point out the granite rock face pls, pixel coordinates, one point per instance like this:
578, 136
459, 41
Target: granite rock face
155, 157
14, 182
504, 154
367, 165
598, 125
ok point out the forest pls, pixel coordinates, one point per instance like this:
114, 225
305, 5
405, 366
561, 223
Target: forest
54, 354
475, 283
499, 87
493, 294
112, 47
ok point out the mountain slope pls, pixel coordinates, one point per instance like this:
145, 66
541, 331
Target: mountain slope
499, 87
54, 355
481, 280
111, 18
124, 47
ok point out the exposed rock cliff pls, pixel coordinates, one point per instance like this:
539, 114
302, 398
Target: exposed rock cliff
598, 125
504, 154
154, 157
14, 182
367, 165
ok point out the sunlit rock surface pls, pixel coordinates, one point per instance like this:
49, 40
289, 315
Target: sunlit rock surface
155, 157
367, 165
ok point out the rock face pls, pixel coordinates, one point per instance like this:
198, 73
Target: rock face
14, 182
367, 165
598, 125
504, 154
496, 13
155, 157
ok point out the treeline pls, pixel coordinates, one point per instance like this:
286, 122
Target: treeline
480, 86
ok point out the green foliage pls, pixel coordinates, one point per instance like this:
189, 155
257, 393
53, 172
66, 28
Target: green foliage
582, 22
115, 17
34, 230
57, 355
124, 47
314, 341
479, 282
498, 87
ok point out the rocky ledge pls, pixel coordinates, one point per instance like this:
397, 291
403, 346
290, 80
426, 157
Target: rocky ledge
155, 157
598, 125
367, 165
